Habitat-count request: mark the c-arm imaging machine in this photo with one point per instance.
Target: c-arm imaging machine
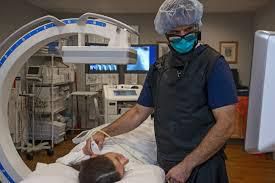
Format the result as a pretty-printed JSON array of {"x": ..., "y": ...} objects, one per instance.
[{"x": 22, "y": 44}]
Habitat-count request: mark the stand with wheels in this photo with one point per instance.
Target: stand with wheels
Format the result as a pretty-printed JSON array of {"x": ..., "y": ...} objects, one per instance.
[{"x": 32, "y": 147}]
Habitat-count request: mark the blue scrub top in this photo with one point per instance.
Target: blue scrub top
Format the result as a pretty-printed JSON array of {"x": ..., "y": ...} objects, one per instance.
[{"x": 221, "y": 89}]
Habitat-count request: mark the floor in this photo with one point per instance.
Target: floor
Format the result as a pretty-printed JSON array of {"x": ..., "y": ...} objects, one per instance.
[
  {"x": 241, "y": 167},
  {"x": 245, "y": 168},
  {"x": 59, "y": 151}
]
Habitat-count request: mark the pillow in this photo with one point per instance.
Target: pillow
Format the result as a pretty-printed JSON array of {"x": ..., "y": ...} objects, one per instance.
[
  {"x": 53, "y": 173},
  {"x": 48, "y": 179},
  {"x": 144, "y": 173},
  {"x": 58, "y": 173}
]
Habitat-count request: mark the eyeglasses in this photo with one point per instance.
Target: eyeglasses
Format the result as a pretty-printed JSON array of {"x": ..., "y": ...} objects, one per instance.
[{"x": 188, "y": 37}]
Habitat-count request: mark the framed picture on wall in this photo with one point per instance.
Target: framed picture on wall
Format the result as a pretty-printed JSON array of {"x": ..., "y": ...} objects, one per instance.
[
  {"x": 229, "y": 49},
  {"x": 163, "y": 48}
]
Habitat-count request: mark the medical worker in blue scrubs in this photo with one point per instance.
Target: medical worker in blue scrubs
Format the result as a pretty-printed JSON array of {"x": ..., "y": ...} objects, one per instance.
[{"x": 192, "y": 94}]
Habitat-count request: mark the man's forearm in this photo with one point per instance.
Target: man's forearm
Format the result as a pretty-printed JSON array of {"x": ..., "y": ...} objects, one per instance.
[
  {"x": 127, "y": 122},
  {"x": 211, "y": 144}
]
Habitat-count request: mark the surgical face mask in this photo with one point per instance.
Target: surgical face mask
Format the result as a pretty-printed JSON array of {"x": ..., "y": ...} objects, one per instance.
[{"x": 183, "y": 44}]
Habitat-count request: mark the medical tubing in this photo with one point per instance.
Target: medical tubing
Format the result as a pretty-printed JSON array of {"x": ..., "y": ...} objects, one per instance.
[{"x": 113, "y": 140}]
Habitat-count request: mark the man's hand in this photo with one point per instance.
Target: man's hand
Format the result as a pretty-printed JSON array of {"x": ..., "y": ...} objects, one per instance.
[
  {"x": 98, "y": 138},
  {"x": 179, "y": 173}
]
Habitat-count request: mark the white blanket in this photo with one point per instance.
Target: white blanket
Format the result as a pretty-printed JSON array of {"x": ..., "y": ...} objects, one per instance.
[
  {"x": 140, "y": 142},
  {"x": 59, "y": 173}
]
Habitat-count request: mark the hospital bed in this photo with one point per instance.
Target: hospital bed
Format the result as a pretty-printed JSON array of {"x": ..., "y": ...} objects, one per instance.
[{"x": 139, "y": 143}]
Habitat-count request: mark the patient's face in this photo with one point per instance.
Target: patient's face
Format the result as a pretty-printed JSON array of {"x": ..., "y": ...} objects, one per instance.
[{"x": 119, "y": 161}]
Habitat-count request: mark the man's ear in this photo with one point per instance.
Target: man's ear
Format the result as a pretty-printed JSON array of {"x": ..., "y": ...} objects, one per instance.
[{"x": 199, "y": 36}]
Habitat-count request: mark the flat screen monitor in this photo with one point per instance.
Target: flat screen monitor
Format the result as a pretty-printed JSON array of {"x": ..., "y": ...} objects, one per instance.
[
  {"x": 33, "y": 70},
  {"x": 103, "y": 68},
  {"x": 147, "y": 55}
]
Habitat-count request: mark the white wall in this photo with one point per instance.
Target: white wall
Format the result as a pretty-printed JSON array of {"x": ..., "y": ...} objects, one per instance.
[
  {"x": 232, "y": 27},
  {"x": 14, "y": 14},
  {"x": 265, "y": 17}
]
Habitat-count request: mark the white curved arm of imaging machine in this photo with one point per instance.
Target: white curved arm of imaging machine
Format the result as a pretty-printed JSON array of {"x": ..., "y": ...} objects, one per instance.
[
  {"x": 117, "y": 51},
  {"x": 22, "y": 44},
  {"x": 94, "y": 54},
  {"x": 260, "y": 133}
]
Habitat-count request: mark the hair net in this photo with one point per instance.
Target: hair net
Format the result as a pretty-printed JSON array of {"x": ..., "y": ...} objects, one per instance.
[{"x": 175, "y": 13}]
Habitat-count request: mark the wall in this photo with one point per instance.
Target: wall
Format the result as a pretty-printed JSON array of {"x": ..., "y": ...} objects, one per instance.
[
  {"x": 232, "y": 27},
  {"x": 264, "y": 17},
  {"x": 14, "y": 14}
]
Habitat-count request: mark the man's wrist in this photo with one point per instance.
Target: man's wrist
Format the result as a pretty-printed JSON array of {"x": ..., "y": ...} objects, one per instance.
[
  {"x": 189, "y": 162},
  {"x": 102, "y": 132},
  {"x": 106, "y": 130}
]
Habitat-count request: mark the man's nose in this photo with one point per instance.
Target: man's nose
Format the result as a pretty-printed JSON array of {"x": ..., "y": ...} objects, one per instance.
[{"x": 183, "y": 32}]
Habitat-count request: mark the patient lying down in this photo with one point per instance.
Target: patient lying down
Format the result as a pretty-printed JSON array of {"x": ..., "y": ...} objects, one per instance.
[
  {"x": 110, "y": 165},
  {"x": 106, "y": 168}
]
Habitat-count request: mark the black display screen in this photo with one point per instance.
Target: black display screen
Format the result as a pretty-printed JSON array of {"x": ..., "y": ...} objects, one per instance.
[{"x": 33, "y": 70}]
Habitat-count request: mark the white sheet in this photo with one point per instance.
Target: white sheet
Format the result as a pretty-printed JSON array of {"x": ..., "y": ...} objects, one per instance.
[
  {"x": 140, "y": 142},
  {"x": 59, "y": 173},
  {"x": 53, "y": 173}
]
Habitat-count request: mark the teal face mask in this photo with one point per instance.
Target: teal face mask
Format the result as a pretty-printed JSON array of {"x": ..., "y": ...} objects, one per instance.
[{"x": 184, "y": 44}]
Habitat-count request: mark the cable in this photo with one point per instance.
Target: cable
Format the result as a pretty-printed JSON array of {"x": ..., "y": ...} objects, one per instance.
[{"x": 90, "y": 134}]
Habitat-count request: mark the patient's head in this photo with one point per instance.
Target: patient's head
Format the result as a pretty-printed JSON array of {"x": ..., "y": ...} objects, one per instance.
[{"x": 107, "y": 168}]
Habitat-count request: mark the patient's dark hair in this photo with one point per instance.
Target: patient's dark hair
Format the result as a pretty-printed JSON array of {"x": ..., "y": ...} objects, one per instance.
[{"x": 98, "y": 170}]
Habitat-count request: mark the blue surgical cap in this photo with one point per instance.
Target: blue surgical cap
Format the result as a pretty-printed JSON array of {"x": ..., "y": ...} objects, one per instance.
[{"x": 175, "y": 13}]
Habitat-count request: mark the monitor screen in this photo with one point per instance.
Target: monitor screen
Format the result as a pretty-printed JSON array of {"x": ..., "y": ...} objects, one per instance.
[
  {"x": 146, "y": 56},
  {"x": 125, "y": 92},
  {"x": 103, "y": 67},
  {"x": 33, "y": 70}
]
